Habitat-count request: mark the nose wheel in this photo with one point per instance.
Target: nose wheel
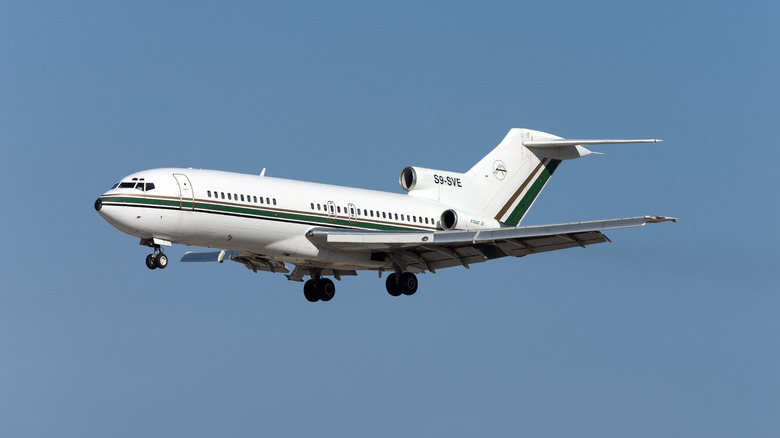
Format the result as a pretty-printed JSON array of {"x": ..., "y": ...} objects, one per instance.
[{"x": 156, "y": 259}]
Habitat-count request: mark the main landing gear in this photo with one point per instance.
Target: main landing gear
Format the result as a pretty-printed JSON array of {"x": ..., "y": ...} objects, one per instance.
[
  {"x": 319, "y": 289},
  {"x": 323, "y": 289},
  {"x": 157, "y": 259},
  {"x": 404, "y": 283}
]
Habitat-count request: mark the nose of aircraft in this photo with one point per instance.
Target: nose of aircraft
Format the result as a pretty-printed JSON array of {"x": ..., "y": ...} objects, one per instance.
[{"x": 98, "y": 205}]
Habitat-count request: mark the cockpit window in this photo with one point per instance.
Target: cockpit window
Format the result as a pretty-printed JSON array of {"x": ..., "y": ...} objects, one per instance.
[{"x": 144, "y": 187}]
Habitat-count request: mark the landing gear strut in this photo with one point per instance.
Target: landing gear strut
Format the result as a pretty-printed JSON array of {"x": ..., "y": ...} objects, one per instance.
[
  {"x": 405, "y": 283},
  {"x": 319, "y": 289},
  {"x": 157, "y": 259}
]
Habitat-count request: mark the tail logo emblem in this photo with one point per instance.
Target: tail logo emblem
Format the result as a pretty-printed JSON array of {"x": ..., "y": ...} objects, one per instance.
[{"x": 499, "y": 170}]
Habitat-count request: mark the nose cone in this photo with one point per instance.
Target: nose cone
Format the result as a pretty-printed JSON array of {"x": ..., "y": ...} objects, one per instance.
[{"x": 116, "y": 215}]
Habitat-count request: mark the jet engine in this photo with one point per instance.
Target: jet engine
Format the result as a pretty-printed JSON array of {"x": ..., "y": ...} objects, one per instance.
[
  {"x": 459, "y": 220},
  {"x": 430, "y": 183}
]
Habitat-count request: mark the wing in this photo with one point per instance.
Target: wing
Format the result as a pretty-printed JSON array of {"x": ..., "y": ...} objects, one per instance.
[{"x": 418, "y": 251}]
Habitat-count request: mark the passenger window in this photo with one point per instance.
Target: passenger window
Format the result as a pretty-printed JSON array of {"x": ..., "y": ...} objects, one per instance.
[
  {"x": 318, "y": 207},
  {"x": 274, "y": 201},
  {"x": 338, "y": 209},
  {"x": 426, "y": 220},
  {"x": 261, "y": 200},
  {"x": 267, "y": 200},
  {"x": 229, "y": 198},
  {"x": 372, "y": 213},
  {"x": 242, "y": 198},
  {"x": 255, "y": 199},
  {"x": 312, "y": 206},
  {"x": 384, "y": 216},
  {"x": 209, "y": 193}
]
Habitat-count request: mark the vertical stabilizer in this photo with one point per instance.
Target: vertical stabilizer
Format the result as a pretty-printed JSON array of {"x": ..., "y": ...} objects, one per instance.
[{"x": 505, "y": 183}]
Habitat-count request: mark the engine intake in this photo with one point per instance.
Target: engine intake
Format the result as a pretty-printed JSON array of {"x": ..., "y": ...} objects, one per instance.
[{"x": 408, "y": 179}]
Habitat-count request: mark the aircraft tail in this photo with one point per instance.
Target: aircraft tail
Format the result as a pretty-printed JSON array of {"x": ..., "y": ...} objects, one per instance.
[{"x": 506, "y": 182}]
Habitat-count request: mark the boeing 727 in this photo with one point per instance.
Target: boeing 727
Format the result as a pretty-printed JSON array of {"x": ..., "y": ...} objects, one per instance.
[{"x": 445, "y": 219}]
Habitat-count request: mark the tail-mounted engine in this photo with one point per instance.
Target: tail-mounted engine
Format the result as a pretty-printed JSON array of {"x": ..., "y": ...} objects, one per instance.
[
  {"x": 431, "y": 183},
  {"x": 460, "y": 220}
]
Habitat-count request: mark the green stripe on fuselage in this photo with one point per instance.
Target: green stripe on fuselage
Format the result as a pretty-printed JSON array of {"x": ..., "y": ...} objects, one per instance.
[{"x": 221, "y": 209}]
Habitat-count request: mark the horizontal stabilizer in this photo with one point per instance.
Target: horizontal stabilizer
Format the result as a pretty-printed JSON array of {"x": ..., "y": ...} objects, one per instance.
[{"x": 574, "y": 142}]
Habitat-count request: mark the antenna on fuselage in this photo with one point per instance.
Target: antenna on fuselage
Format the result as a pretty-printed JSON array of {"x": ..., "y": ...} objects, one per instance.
[{"x": 263, "y": 172}]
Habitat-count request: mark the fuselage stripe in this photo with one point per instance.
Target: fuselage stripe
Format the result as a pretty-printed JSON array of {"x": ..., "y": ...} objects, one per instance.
[{"x": 281, "y": 215}]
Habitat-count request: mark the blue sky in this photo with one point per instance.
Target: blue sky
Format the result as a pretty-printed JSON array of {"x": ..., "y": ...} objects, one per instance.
[{"x": 671, "y": 330}]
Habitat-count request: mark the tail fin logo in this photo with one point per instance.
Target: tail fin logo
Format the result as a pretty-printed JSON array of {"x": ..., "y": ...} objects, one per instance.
[{"x": 499, "y": 170}]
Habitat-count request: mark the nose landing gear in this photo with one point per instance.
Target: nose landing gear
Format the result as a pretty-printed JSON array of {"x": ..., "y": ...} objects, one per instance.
[{"x": 156, "y": 259}]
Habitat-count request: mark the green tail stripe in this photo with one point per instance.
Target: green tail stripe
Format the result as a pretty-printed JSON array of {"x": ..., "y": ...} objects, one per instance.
[{"x": 522, "y": 208}]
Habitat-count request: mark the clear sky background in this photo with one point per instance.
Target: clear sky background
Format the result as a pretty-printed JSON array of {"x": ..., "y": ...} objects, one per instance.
[{"x": 671, "y": 330}]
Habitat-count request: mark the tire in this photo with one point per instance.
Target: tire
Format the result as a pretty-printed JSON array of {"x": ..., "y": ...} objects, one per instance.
[
  {"x": 151, "y": 262},
  {"x": 408, "y": 283},
  {"x": 161, "y": 261},
  {"x": 309, "y": 291},
  {"x": 393, "y": 288},
  {"x": 326, "y": 289}
]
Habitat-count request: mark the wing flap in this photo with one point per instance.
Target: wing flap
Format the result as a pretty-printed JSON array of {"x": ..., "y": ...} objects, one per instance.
[{"x": 254, "y": 262}]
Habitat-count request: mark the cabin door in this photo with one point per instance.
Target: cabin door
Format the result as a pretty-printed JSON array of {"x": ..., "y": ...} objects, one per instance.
[
  {"x": 352, "y": 215},
  {"x": 186, "y": 195}
]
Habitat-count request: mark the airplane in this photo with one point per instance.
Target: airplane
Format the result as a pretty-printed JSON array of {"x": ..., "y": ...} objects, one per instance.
[{"x": 444, "y": 219}]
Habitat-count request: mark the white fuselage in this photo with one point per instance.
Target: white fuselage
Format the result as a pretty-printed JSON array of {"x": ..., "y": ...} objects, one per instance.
[{"x": 258, "y": 214}]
